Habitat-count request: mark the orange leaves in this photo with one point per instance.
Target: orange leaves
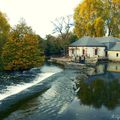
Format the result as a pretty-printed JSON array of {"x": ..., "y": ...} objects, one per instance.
[
  {"x": 22, "y": 52},
  {"x": 19, "y": 48}
]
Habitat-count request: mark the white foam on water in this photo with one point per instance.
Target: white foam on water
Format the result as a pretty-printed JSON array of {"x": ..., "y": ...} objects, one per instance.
[{"x": 12, "y": 90}]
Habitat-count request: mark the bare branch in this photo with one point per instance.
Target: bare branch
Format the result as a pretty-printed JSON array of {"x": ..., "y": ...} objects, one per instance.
[{"x": 62, "y": 26}]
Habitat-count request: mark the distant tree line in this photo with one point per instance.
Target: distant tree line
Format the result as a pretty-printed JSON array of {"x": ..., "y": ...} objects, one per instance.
[{"x": 57, "y": 46}]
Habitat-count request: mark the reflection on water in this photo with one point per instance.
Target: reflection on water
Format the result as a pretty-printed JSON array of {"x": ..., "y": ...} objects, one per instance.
[
  {"x": 102, "y": 88},
  {"x": 109, "y": 67},
  {"x": 113, "y": 67},
  {"x": 100, "y": 93},
  {"x": 98, "y": 96}
]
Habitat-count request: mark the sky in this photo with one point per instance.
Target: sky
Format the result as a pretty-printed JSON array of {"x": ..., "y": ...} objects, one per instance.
[{"x": 37, "y": 13}]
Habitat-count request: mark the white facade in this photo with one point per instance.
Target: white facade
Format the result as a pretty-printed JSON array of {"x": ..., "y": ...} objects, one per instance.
[
  {"x": 95, "y": 48},
  {"x": 87, "y": 51},
  {"x": 114, "y": 55}
]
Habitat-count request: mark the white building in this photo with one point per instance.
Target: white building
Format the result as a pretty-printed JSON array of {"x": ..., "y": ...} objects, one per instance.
[{"x": 100, "y": 47}]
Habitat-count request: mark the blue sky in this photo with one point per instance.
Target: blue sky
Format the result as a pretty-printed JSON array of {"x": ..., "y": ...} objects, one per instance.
[{"x": 37, "y": 13}]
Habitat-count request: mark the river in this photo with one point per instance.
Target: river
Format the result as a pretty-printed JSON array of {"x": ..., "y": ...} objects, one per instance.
[{"x": 53, "y": 93}]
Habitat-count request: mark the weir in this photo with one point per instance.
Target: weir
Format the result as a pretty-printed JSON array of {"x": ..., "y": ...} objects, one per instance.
[
  {"x": 43, "y": 73},
  {"x": 12, "y": 90},
  {"x": 19, "y": 93}
]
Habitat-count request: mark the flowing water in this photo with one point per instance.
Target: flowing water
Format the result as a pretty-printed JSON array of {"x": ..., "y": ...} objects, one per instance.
[
  {"x": 52, "y": 93},
  {"x": 14, "y": 83}
]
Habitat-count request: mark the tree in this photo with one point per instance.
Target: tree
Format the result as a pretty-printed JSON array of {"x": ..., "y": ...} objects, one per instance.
[
  {"x": 52, "y": 46},
  {"x": 55, "y": 46},
  {"x": 22, "y": 50},
  {"x": 113, "y": 20},
  {"x": 63, "y": 27},
  {"x": 4, "y": 30},
  {"x": 99, "y": 27},
  {"x": 97, "y": 17}
]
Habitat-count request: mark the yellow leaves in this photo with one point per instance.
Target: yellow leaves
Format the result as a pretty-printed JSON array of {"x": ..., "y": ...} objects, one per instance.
[
  {"x": 84, "y": 17},
  {"x": 92, "y": 16},
  {"x": 4, "y": 25},
  {"x": 116, "y": 1},
  {"x": 99, "y": 26},
  {"x": 88, "y": 26},
  {"x": 98, "y": 22}
]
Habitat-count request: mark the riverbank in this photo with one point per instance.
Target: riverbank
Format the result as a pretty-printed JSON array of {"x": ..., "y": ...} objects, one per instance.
[{"x": 66, "y": 62}]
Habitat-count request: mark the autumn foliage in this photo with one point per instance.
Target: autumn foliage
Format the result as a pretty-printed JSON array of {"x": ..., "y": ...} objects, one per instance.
[
  {"x": 4, "y": 31},
  {"x": 97, "y": 18},
  {"x": 22, "y": 50}
]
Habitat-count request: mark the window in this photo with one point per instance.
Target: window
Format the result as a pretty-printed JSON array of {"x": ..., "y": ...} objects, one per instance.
[
  {"x": 117, "y": 55},
  {"x": 83, "y": 51},
  {"x": 72, "y": 51},
  {"x": 96, "y": 51},
  {"x": 106, "y": 53}
]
